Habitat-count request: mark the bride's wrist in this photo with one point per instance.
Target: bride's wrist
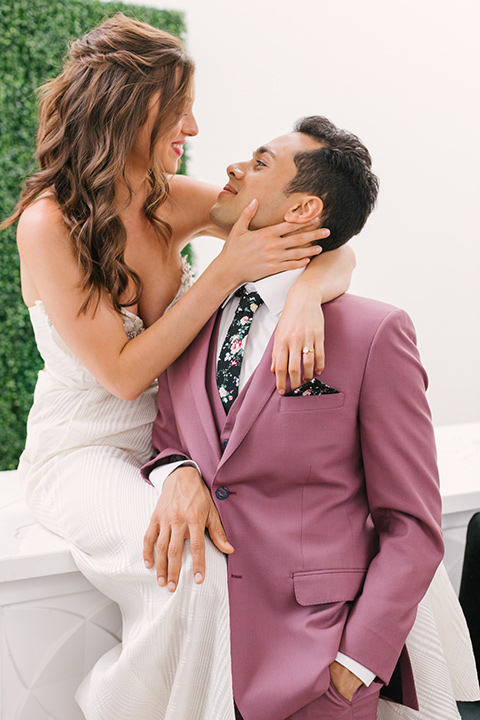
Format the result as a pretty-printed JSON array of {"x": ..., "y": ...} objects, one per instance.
[
  {"x": 221, "y": 276},
  {"x": 305, "y": 291}
]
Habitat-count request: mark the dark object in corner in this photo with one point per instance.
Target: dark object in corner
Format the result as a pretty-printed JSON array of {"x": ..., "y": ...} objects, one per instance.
[{"x": 470, "y": 585}]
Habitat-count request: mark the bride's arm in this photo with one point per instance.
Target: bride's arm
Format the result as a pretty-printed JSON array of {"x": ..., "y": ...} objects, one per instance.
[
  {"x": 301, "y": 324},
  {"x": 188, "y": 209},
  {"x": 126, "y": 367}
]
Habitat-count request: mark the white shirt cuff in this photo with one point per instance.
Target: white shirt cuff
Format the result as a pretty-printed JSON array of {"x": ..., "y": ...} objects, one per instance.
[
  {"x": 160, "y": 473},
  {"x": 363, "y": 674}
]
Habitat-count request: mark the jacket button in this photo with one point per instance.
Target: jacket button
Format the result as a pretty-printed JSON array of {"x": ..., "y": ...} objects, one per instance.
[{"x": 222, "y": 493}]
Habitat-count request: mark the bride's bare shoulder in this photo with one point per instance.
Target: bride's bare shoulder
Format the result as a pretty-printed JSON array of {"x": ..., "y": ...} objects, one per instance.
[
  {"x": 189, "y": 206},
  {"x": 42, "y": 221},
  {"x": 47, "y": 260},
  {"x": 180, "y": 184}
]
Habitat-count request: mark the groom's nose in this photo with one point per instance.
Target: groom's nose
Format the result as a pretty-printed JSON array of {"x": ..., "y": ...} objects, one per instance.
[{"x": 235, "y": 171}]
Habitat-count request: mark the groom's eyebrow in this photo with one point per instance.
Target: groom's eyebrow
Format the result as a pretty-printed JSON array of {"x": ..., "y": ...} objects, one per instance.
[{"x": 264, "y": 149}]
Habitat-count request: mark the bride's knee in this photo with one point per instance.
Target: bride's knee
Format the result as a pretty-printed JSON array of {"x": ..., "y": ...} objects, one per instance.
[{"x": 215, "y": 581}]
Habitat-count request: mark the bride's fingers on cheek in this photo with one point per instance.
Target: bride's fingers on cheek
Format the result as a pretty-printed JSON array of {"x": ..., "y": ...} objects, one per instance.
[
  {"x": 313, "y": 227},
  {"x": 312, "y": 250},
  {"x": 304, "y": 251},
  {"x": 307, "y": 237},
  {"x": 293, "y": 228}
]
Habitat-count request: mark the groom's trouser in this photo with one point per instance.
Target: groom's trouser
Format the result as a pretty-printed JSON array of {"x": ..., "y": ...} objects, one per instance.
[{"x": 332, "y": 706}]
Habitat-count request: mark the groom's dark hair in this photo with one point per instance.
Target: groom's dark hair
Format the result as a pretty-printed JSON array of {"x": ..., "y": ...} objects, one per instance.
[{"x": 340, "y": 174}]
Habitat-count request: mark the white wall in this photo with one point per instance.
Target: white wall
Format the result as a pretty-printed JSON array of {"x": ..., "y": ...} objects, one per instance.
[{"x": 405, "y": 78}]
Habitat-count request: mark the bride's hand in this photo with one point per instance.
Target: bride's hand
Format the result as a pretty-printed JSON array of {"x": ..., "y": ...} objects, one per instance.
[
  {"x": 253, "y": 254},
  {"x": 300, "y": 328}
]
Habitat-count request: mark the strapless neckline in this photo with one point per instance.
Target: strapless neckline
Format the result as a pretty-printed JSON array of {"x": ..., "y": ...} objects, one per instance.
[
  {"x": 185, "y": 282},
  {"x": 39, "y": 304}
]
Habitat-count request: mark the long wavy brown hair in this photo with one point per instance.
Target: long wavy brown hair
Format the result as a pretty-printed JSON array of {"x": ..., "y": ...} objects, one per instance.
[{"x": 89, "y": 117}]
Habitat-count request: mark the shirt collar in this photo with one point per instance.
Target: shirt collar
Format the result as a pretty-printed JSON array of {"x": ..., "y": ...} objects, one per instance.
[{"x": 273, "y": 289}]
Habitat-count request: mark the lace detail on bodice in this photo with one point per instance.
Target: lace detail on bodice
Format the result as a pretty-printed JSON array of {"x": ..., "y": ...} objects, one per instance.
[
  {"x": 185, "y": 283},
  {"x": 61, "y": 362},
  {"x": 132, "y": 324}
]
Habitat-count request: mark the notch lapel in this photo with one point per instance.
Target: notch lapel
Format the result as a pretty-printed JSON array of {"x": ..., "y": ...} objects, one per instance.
[
  {"x": 252, "y": 399},
  {"x": 197, "y": 365}
]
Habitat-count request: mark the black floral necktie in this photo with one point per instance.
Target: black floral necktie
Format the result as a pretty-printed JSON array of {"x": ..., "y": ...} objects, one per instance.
[{"x": 231, "y": 355}]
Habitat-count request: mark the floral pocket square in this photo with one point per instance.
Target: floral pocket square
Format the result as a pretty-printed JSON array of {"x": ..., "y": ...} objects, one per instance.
[{"x": 312, "y": 387}]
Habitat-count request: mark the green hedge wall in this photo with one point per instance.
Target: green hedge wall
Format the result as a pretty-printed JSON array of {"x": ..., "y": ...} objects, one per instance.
[{"x": 34, "y": 36}]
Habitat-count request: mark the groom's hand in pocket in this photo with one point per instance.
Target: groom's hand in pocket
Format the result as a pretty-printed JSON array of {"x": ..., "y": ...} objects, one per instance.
[
  {"x": 184, "y": 510},
  {"x": 344, "y": 680}
]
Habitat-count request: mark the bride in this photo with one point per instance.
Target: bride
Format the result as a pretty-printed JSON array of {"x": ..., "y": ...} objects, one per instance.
[{"x": 101, "y": 227}]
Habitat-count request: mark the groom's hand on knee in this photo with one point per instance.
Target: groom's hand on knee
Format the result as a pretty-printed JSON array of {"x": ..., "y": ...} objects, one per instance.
[{"x": 184, "y": 510}]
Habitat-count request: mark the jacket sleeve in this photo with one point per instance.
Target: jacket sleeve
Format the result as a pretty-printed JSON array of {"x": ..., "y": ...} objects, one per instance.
[
  {"x": 401, "y": 476},
  {"x": 167, "y": 443}
]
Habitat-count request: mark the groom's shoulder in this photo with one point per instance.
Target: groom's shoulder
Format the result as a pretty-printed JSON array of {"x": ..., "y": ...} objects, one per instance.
[
  {"x": 362, "y": 306},
  {"x": 361, "y": 315}
]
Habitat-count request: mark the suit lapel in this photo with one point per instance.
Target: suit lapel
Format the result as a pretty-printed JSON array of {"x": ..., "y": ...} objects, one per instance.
[
  {"x": 198, "y": 363},
  {"x": 251, "y": 401}
]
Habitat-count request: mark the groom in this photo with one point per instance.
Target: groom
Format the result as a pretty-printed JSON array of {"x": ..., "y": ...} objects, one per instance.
[{"x": 329, "y": 494}]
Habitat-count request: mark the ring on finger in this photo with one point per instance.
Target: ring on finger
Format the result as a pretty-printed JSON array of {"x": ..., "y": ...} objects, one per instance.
[{"x": 307, "y": 350}]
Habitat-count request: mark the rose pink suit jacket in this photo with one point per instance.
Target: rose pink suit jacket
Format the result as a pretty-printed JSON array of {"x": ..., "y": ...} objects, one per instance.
[{"x": 331, "y": 503}]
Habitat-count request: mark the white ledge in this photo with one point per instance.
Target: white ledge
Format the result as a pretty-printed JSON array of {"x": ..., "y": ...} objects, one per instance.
[
  {"x": 27, "y": 550},
  {"x": 459, "y": 464}
]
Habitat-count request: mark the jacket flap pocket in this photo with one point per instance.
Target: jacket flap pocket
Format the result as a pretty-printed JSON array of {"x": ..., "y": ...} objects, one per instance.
[{"x": 318, "y": 587}]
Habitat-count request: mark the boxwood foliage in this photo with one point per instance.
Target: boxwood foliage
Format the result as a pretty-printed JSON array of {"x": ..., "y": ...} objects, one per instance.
[{"x": 34, "y": 39}]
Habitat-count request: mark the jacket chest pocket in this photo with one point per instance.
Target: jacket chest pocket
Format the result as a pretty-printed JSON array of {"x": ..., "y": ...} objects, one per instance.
[{"x": 311, "y": 403}]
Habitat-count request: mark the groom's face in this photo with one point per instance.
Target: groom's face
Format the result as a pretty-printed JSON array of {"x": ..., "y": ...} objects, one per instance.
[{"x": 264, "y": 177}]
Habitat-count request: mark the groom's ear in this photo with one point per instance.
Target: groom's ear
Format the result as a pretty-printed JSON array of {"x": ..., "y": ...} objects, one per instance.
[{"x": 307, "y": 209}]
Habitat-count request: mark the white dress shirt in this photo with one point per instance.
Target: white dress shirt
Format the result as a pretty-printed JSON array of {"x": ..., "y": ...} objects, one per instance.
[{"x": 273, "y": 290}]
